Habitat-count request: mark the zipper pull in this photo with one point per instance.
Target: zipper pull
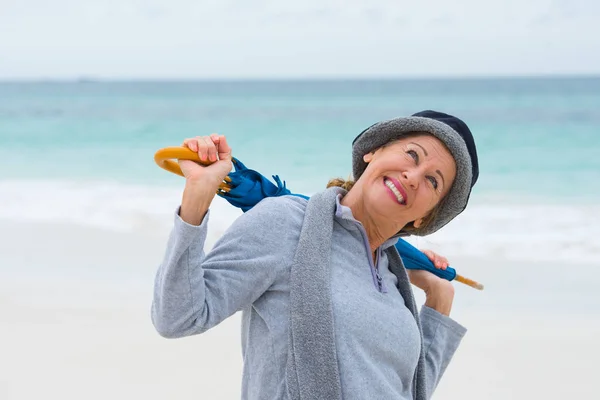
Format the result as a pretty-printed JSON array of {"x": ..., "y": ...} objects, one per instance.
[{"x": 379, "y": 279}]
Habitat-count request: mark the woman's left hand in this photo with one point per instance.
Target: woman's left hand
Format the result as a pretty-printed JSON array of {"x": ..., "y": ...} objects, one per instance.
[
  {"x": 440, "y": 262},
  {"x": 439, "y": 292}
]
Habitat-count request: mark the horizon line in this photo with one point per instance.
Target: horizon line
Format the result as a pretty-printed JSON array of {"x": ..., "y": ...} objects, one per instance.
[{"x": 315, "y": 78}]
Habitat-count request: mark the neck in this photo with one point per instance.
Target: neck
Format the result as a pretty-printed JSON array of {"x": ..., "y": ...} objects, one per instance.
[{"x": 378, "y": 229}]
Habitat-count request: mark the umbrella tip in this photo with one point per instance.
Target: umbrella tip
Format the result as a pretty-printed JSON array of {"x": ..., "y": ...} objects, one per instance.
[{"x": 469, "y": 282}]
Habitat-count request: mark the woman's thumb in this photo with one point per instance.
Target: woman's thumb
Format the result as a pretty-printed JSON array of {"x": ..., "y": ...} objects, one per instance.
[{"x": 223, "y": 148}]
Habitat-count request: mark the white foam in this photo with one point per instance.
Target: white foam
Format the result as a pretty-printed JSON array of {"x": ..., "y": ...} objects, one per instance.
[
  {"x": 538, "y": 232},
  {"x": 567, "y": 232},
  {"x": 104, "y": 204}
]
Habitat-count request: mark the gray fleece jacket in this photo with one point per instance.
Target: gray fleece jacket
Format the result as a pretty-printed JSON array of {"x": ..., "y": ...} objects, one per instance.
[{"x": 377, "y": 340}]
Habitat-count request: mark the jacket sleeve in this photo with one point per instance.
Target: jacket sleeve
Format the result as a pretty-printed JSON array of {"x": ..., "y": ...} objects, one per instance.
[
  {"x": 441, "y": 337},
  {"x": 194, "y": 291}
]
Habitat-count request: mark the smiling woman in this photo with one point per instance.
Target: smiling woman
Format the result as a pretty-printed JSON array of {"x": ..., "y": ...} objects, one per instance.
[
  {"x": 361, "y": 336},
  {"x": 416, "y": 172}
]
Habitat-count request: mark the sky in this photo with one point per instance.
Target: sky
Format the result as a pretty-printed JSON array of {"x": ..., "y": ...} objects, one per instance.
[{"x": 199, "y": 39}]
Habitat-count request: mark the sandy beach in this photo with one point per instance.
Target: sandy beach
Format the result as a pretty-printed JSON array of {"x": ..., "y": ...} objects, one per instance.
[{"x": 75, "y": 307}]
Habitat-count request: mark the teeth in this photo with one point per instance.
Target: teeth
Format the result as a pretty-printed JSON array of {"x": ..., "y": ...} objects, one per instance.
[{"x": 395, "y": 190}]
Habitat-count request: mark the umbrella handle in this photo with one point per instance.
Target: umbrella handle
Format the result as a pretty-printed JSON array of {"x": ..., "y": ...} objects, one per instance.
[
  {"x": 468, "y": 282},
  {"x": 164, "y": 159}
]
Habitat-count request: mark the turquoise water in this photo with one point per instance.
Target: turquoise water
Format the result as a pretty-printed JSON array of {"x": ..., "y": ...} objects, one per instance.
[
  {"x": 533, "y": 135},
  {"x": 83, "y": 152}
]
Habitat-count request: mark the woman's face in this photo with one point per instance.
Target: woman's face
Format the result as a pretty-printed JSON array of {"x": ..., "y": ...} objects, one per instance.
[{"x": 407, "y": 178}]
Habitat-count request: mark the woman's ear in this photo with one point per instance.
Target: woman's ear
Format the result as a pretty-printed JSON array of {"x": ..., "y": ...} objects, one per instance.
[
  {"x": 368, "y": 157},
  {"x": 418, "y": 222}
]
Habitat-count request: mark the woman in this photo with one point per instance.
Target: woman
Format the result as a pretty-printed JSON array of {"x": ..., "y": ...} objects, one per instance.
[{"x": 328, "y": 311}]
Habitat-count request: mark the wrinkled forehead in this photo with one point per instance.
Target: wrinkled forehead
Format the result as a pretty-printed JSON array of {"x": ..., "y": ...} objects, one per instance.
[{"x": 428, "y": 142}]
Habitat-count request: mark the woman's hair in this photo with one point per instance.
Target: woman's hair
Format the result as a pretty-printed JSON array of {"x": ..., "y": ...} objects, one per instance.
[
  {"x": 409, "y": 228},
  {"x": 342, "y": 183}
]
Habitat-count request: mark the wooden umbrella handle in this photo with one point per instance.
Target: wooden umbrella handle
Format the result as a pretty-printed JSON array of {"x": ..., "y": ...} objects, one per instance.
[
  {"x": 164, "y": 158},
  {"x": 469, "y": 282}
]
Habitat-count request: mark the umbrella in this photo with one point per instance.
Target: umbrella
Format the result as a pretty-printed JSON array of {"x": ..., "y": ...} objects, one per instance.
[
  {"x": 247, "y": 187},
  {"x": 244, "y": 188}
]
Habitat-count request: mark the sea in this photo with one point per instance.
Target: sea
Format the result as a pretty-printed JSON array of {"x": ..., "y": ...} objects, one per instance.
[{"x": 82, "y": 152}]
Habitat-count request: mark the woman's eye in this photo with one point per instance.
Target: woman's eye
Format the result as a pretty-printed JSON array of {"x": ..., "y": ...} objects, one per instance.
[
  {"x": 414, "y": 155},
  {"x": 433, "y": 181}
]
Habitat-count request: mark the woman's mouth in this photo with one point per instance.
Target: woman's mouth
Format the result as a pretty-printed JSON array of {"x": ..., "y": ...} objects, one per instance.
[{"x": 395, "y": 189}]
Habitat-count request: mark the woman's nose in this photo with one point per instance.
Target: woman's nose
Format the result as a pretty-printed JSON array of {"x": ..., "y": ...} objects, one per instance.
[{"x": 412, "y": 178}]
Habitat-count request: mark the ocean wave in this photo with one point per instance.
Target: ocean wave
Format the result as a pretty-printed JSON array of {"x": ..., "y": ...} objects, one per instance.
[
  {"x": 539, "y": 232},
  {"x": 102, "y": 204}
]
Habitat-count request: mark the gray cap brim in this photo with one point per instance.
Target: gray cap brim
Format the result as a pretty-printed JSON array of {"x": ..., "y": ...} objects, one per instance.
[{"x": 383, "y": 132}]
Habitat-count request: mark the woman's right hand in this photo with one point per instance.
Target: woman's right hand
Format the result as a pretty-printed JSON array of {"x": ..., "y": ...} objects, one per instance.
[
  {"x": 202, "y": 181},
  {"x": 213, "y": 148}
]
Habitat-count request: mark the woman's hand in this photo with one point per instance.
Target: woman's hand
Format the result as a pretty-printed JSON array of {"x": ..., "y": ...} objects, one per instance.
[
  {"x": 213, "y": 148},
  {"x": 439, "y": 292},
  {"x": 202, "y": 182},
  {"x": 437, "y": 260}
]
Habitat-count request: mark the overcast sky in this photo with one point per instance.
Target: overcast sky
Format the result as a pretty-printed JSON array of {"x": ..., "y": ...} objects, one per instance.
[{"x": 305, "y": 38}]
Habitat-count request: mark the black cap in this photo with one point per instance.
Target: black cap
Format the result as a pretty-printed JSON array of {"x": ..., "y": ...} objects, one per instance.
[{"x": 463, "y": 130}]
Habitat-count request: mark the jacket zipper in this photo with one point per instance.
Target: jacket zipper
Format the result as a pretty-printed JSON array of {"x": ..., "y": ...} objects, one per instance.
[
  {"x": 377, "y": 274},
  {"x": 374, "y": 268},
  {"x": 379, "y": 279}
]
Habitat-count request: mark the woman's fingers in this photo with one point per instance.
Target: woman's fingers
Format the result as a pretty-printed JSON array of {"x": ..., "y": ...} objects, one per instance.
[
  {"x": 209, "y": 148},
  {"x": 202, "y": 148},
  {"x": 437, "y": 260},
  {"x": 441, "y": 262},
  {"x": 190, "y": 144}
]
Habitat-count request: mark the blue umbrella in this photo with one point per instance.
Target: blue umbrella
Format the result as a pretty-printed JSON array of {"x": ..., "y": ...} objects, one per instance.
[{"x": 246, "y": 187}]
